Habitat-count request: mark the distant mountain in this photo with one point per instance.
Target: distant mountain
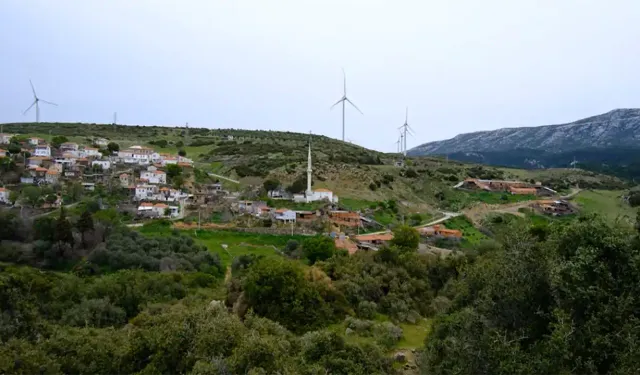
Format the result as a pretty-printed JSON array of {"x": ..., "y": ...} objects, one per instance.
[
  {"x": 608, "y": 143},
  {"x": 617, "y": 128}
]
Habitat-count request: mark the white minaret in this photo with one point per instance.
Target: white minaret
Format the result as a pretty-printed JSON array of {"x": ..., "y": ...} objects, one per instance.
[{"x": 309, "y": 192}]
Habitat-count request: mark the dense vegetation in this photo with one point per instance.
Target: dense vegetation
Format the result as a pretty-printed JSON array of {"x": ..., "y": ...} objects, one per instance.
[{"x": 561, "y": 301}]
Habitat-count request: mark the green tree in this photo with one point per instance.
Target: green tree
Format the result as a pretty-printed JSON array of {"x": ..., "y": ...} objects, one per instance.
[
  {"x": 14, "y": 149},
  {"x": 58, "y": 140},
  {"x": 406, "y": 238},
  {"x": 318, "y": 248},
  {"x": 173, "y": 170},
  {"x": 63, "y": 229},
  {"x": 271, "y": 184},
  {"x": 277, "y": 289},
  {"x": 179, "y": 144},
  {"x": 75, "y": 190},
  {"x": 31, "y": 195},
  {"x": 44, "y": 228},
  {"x": 113, "y": 147},
  {"x": 182, "y": 152},
  {"x": 84, "y": 225}
]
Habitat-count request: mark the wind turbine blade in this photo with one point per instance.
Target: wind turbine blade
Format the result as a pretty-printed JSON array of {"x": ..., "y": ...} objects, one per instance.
[
  {"x": 44, "y": 101},
  {"x": 406, "y": 116},
  {"x": 354, "y": 106},
  {"x": 33, "y": 89},
  {"x": 27, "y": 110},
  {"x": 338, "y": 102}
]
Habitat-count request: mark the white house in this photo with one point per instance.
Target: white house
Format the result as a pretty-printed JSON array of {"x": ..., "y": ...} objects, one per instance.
[
  {"x": 36, "y": 161},
  {"x": 136, "y": 155},
  {"x": 4, "y": 195},
  {"x": 69, "y": 147},
  {"x": 154, "y": 176},
  {"x": 105, "y": 164},
  {"x": 101, "y": 141},
  {"x": 169, "y": 160},
  {"x": 90, "y": 152},
  {"x": 5, "y": 138},
  {"x": 183, "y": 159},
  {"x": 159, "y": 208},
  {"x": 89, "y": 186},
  {"x": 34, "y": 141},
  {"x": 43, "y": 150},
  {"x": 65, "y": 161},
  {"x": 146, "y": 192}
]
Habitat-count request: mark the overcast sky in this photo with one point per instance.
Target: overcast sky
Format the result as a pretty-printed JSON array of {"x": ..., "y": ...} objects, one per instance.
[{"x": 459, "y": 66}]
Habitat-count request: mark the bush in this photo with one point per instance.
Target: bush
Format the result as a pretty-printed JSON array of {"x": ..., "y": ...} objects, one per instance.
[{"x": 367, "y": 309}]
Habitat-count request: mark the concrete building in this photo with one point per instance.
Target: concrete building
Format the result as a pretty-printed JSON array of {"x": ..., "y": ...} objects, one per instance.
[
  {"x": 34, "y": 141},
  {"x": 101, "y": 141},
  {"x": 146, "y": 192},
  {"x": 90, "y": 152},
  {"x": 52, "y": 176},
  {"x": 319, "y": 194},
  {"x": 43, "y": 150},
  {"x": 285, "y": 215},
  {"x": 4, "y": 196},
  {"x": 154, "y": 176},
  {"x": 104, "y": 164},
  {"x": 5, "y": 138}
]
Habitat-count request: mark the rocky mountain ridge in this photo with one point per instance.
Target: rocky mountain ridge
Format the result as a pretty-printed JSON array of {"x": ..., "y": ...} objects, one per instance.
[{"x": 619, "y": 128}]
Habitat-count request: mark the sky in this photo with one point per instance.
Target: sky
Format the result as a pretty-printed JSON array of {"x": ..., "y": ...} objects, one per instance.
[{"x": 459, "y": 66}]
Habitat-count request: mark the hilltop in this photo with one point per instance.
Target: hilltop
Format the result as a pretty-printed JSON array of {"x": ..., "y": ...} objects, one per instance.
[{"x": 605, "y": 143}]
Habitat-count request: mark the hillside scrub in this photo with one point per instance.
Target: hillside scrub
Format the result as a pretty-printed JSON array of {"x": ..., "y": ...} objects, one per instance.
[{"x": 567, "y": 304}]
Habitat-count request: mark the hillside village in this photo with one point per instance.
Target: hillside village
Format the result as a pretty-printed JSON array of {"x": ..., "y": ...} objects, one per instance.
[{"x": 154, "y": 185}]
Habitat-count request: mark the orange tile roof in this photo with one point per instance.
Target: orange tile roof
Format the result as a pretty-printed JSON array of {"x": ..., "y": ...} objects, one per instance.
[
  {"x": 40, "y": 169},
  {"x": 281, "y": 210},
  {"x": 161, "y": 205},
  {"x": 522, "y": 190},
  {"x": 124, "y": 175},
  {"x": 3, "y": 189},
  {"x": 159, "y": 172},
  {"x": 322, "y": 190},
  {"x": 183, "y": 164},
  {"x": 52, "y": 172},
  {"x": 375, "y": 237},
  {"x": 164, "y": 189},
  {"x": 146, "y": 204}
]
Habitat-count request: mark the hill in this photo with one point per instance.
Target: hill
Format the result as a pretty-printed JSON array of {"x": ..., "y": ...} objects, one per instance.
[
  {"x": 605, "y": 143},
  {"x": 359, "y": 176}
]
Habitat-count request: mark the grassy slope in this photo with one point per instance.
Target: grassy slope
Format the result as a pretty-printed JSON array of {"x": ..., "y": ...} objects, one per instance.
[
  {"x": 342, "y": 167},
  {"x": 607, "y": 203}
]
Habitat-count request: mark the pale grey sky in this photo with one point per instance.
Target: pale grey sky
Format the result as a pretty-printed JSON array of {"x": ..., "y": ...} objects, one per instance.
[{"x": 460, "y": 66}]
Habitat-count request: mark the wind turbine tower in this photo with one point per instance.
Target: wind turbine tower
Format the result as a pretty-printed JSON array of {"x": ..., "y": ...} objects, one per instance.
[
  {"x": 343, "y": 100},
  {"x": 404, "y": 131},
  {"x": 36, "y": 102}
]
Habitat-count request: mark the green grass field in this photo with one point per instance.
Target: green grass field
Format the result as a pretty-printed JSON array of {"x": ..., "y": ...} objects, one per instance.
[
  {"x": 607, "y": 203},
  {"x": 414, "y": 334},
  {"x": 238, "y": 243},
  {"x": 498, "y": 198},
  {"x": 471, "y": 235}
]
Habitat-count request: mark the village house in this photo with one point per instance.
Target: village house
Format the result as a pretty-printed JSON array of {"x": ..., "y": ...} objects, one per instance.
[
  {"x": 42, "y": 150},
  {"x": 90, "y": 152},
  {"x": 169, "y": 160},
  {"x": 512, "y": 187},
  {"x": 146, "y": 192},
  {"x": 5, "y": 138},
  {"x": 136, "y": 155},
  {"x": 52, "y": 176},
  {"x": 373, "y": 241},
  {"x": 65, "y": 162},
  {"x": 34, "y": 141},
  {"x": 159, "y": 209},
  {"x": 439, "y": 230},
  {"x": 3, "y": 153},
  {"x": 4, "y": 195},
  {"x": 100, "y": 141},
  {"x": 69, "y": 147},
  {"x": 306, "y": 215},
  {"x": 154, "y": 176},
  {"x": 104, "y": 164},
  {"x": 285, "y": 215},
  {"x": 37, "y": 161},
  {"x": 89, "y": 186},
  {"x": 346, "y": 218},
  {"x": 554, "y": 207},
  {"x": 146, "y": 209}
]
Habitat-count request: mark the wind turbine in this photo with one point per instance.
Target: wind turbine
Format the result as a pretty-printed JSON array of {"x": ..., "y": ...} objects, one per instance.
[
  {"x": 404, "y": 130},
  {"x": 36, "y": 102},
  {"x": 343, "y": 100}
]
